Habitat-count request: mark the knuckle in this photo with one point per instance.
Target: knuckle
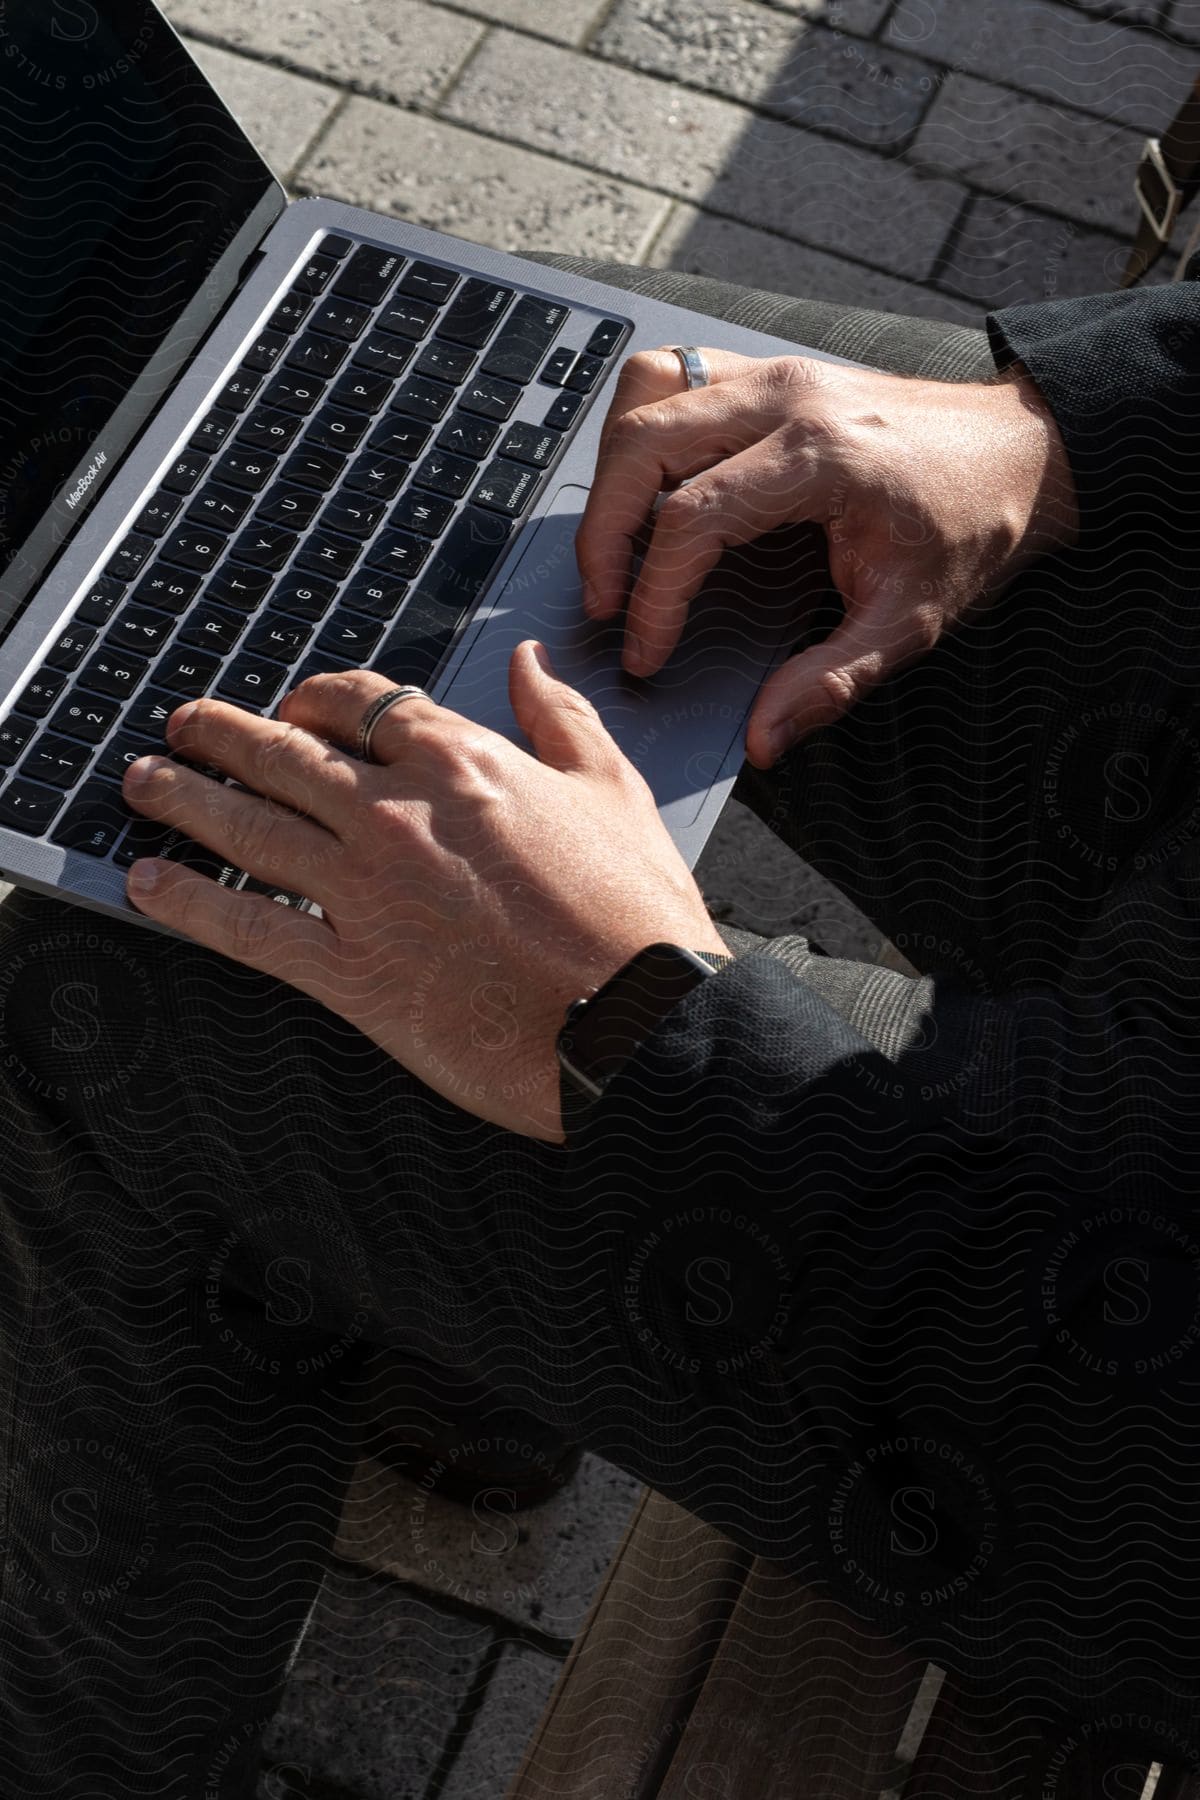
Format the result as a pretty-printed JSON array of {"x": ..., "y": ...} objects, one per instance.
[
  {"x": 682, "y": 512},
  {"x": 840, "y": 687},
  {"x": 251, "y": 931}
]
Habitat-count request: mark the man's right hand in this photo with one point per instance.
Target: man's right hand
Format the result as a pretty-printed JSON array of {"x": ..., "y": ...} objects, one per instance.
[{"x": 932, "y": 495}]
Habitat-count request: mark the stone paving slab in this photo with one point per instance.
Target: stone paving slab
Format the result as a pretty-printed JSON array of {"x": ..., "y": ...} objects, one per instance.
[
  {"x": 375, "y": 1694},
  {"x": 1135, "y": 77},
  {"x": 516, "y": 1696},
  {"x": 451, "y": 180},
  {"x": 280, "y": 111},
  {"x": 732, "y": 47},
  {"x": 696, "y": 241},
  {"x": 538, "y": 1568},
  {"x": 568, "y": 21},
  {"x": 402, "y": 50},
  {"x": 1006, "y": 254}
]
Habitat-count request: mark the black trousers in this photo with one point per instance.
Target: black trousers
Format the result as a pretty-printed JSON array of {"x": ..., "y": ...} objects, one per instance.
[{"x": 216, "y": 1197}]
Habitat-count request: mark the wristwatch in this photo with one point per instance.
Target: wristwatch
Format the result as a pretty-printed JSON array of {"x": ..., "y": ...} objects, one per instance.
[{"x": 602, "y": 1031}]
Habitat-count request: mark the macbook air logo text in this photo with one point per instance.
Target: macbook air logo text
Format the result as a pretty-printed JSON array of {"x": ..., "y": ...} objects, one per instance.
[{"x": 80, "y": 489}]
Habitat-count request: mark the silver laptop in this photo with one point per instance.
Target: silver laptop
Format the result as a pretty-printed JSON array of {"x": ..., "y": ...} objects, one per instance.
[{"x": 243, "y": 441}]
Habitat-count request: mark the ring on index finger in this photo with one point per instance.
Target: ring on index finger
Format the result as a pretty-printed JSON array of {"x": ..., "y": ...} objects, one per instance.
[
  {"x": 695, "y": 369},
  {"x": 375, "y": 712}
]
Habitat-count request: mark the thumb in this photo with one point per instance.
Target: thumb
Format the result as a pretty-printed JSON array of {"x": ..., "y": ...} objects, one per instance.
[
  {"x": 820, "y": 684},
  {"x": 563, "y": 727}
]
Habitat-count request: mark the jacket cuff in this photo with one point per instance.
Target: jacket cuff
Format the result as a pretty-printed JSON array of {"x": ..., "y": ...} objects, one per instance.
[{"x": 1121, "y": 374}]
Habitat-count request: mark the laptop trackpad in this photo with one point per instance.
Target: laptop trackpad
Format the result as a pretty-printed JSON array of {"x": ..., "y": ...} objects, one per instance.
[{"x": 677, "y": 727}]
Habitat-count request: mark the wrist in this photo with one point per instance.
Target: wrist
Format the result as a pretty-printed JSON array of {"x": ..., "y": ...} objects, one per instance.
[{"x": 1045, "y": 493}]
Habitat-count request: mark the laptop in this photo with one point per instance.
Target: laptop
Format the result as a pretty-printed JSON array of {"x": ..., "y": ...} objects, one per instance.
[{"x": 243, "y": 441}]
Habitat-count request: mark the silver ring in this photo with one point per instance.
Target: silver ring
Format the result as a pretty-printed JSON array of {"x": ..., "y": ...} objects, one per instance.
[
  {"x": 375, "y": 712},
  {"x": 695, "y": 368}
]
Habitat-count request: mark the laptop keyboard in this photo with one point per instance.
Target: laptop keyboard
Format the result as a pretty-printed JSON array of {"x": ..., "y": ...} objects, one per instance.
[{"x": 344, "y": 504}]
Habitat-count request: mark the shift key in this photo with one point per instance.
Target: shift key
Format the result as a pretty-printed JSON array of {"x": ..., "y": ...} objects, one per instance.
[{"x": 465, "y": 560}]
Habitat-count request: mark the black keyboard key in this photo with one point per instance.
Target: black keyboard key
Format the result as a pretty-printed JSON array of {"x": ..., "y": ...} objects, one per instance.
[
  {"x": 125, "y": 748},
  {"x": 147, "y": 717},
  {"x": 379, "y": 477},
  {"x": 266, "y": 429},
  {"x": 362, "y": 391},
  {"x": 85, "y": 716},
  {"x": 428, "y": 282},
  {"x": 465, "y": 560},
  {"x": 344, "y": 319},
  {"x": 328, "y": 555},
  {"x": 131, "y": 558},
  {"x": 248, "y": 469},
  {"x": 314, "y": 467},
  {"x": 446, "y": 362},
  {"x": 369, "y": 275},
  {"x": 168, "y": 589},
  {"x": 194, "y": 547},
  {"x": 236, "y": 584},
  {"x": 96, "y": 821},
  {"x": 384, "y": 356},
  {"x": 564, "y": 412},
  {"x": 211, "y": 433},
  {"x": 291, "y": 312},
  {"x": 507, "y": 487},
  {"x": 406, "y": 318},
  {"x": 351, "y": 635},
  {"x": 316, "y": 275},
  {"x": 490, "y": 397},
  {"x": 295, "y": 392},
  {"x": 605, "y": 338},
  {"x": 279, "y": 639},
  {"x": 446, "y": 474},
  {"x": 294, "y": 507},
  {"x": 186, "y": 672},
  {"x": 213, "y": 628},
  {"x": 426, "y": 514},
  {"x": 157, "y": 514},
  {"x": 195, "y": 856},
  {"x": 559, "y": 367},
  {"x": 334, "y": 430},
  {"x": 531, "y": 444},
  {"x": 378, "y": 596},
  {"x": 333, "y": 244},
  {"x": 140, "y": 630},
  {"x": 528, "y": 333},
  {"x": 43, "y": 692},
  {"x": 476, "y": 313},
  {"x": 113, "y": 672},
  {"x": 58, "y": 761},
  {"x": 15, "y": 733},
  {"x": 467, "y": 436},
  {"x": 319, "y": 356},
  {"x": 304, "y": 596},
  {"x": 319, "y": 662},
  {"x": 221, "y": 506},
  {"x": 145, "y": 838},
  {"x": 264, "y": 354},
  {"x": 353, "y": 514},
  {"x": 424, "y": 399},
  {"x": 252, "y": 681},
  {"x": 100, "y": 601},
  {"x": 185, "y": 471},
  {"x": 265, "y": 546},
  {"x": 398, "y": 436},
  {"x": 71, "y": 646},
  {"x": 417, "y": 643},
  {"x": 28, "y": 806},
  {"x": 586, "y": 373},
  {"x": 399, "y": 553},
  {"x": 239, "y": 390}
]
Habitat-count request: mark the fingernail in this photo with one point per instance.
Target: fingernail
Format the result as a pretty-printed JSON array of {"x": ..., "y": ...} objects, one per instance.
[
  {"x": 143, "y": 770},
  {"x": 635, "y": 652},
  {"x": 146, "y": 875},
  {"x": 182, "y": 714}
]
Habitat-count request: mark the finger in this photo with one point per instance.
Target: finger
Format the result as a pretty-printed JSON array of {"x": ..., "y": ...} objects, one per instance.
[
  {"x": 246, "y": 830},
  {"x": 651, "y": 375},
  {"x": 333, "y": 706},
  {"x": 816, "y": 687},
  {"x": 279, "y": 760},
  {"x": 774, "y": 483},
  {"x": 671, "y": 435},
  {"x": 561, "y": 723},
  {"x": 293, "y": 946}
]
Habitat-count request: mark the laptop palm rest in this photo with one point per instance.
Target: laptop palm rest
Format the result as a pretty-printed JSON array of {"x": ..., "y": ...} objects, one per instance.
[{"x": 684, "y": 727}]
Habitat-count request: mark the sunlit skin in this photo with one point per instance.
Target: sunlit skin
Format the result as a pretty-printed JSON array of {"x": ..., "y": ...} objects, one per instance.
[{"x": 472, "y": 888}]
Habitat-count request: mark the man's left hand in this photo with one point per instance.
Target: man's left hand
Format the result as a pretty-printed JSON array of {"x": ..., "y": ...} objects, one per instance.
[{"x": 470, "y": 890}]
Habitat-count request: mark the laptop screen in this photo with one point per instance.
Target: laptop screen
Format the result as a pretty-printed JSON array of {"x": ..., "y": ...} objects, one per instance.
[{"x": 125, "y": 183}]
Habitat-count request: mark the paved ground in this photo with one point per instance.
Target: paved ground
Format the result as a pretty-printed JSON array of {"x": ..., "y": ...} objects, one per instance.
[{"x": 932, "y": 156}]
